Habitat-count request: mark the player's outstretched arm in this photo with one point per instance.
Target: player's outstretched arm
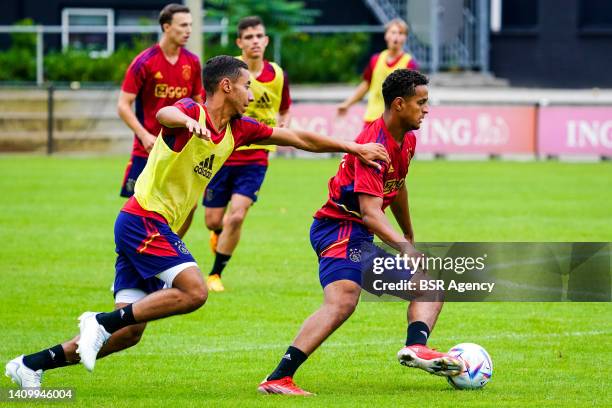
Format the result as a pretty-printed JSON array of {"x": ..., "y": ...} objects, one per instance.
[
  {"x": 173, "y": 117},
  {"x": 358, "y": 95},
  {"x": 401, "y": 212},
  {"x": 375, "y": 220},
  {"x": 313, "y": 142}
]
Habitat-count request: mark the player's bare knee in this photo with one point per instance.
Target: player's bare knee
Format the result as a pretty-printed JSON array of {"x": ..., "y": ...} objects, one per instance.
[
  {"x": 430, "y": 291},
  {"x": 430, "y": 296},
  {"x": 348, "y": 307},
  {"x": 345, "y": 306},
  {"x": 214, "y": 224},
  {"x": 196, "y": 297},
  {"x": 200, "y": 296},
  {"x": 235, "y": 219},
  {"x": 191, "y": 291},
  {"x": 342, "y": 298},
  {"x": 214, "y": 219}
]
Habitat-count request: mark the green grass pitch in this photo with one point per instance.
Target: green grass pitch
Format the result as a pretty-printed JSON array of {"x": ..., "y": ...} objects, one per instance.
[{"x": 57, "y": 260}]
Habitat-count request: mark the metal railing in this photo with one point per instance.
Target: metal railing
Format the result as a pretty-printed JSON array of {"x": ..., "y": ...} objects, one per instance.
[
  {"x": 446, "y": 34},
  {"x": 386, "y": 10},
  {"x": 467, "y": 48}
]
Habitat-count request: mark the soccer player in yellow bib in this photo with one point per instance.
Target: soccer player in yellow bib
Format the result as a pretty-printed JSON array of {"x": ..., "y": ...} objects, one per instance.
[
  {"x": 235, "y": 188},
  {"x": 378, "y": 69},
  {"x": 155, "y": 274}
]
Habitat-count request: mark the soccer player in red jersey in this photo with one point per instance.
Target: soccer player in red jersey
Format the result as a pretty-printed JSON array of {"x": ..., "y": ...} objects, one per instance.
[
  {"x": 378, "y": 68},
  {"x": 354, "y": 212},
  {"x": 235, "y": 188},
  {"x": 155, "y": 274},
  {"x": 159, "y": 76}
]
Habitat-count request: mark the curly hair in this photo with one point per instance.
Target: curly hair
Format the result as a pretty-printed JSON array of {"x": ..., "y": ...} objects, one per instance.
[{"x": 402, "y": 83}]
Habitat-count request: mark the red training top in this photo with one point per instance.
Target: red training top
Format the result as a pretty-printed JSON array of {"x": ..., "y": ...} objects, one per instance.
[
  {"x": 354, "y": 177},
  {"x": 158, "y": 83}
]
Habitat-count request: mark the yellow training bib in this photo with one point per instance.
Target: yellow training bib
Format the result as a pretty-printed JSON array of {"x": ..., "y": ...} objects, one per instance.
[
  {"x": 376, "y": 103},
  {"x": 267, "y": 98},
  {"x": 172, "y": 182}
]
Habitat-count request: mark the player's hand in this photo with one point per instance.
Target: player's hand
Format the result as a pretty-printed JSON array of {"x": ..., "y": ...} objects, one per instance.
[
  {"x": 193, "y": 126},
  {"x": 370, "y": 153},
  {"x": 416, "y": 257},
  {"x": 147, "y": 140},
  {"x": 342, "y": 109}
]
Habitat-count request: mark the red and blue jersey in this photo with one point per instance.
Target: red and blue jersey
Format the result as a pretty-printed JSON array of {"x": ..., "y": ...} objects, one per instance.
[
  {"x": 158, "y": 83},
  {"x": 354, "y": 177}
]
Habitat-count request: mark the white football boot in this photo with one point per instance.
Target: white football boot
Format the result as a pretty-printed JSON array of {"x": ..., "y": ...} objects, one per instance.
[
  {"x": 21, "y": 375},
  {"x": 92, "y": 338}
]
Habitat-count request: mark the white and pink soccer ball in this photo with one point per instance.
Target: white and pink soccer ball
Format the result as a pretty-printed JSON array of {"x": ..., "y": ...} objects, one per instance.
[{"x": 478, "y": 367}]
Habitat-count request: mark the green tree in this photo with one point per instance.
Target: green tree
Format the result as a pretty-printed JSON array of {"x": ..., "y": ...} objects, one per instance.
[
  {"x": 323, "y": 58},
  {"x": 18, "y": 63},
  {"x": 278, "y": 15},
  {"x": 24, "y": 40}
]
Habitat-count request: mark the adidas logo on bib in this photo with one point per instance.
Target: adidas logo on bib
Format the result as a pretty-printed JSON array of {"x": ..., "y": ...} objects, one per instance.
[
  {"x": 204, "y": 168},
  {"x": 263, "y": 102}
]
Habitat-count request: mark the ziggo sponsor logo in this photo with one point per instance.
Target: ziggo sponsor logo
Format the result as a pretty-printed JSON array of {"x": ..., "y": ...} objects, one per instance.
[{"x": 173, "y": 92}]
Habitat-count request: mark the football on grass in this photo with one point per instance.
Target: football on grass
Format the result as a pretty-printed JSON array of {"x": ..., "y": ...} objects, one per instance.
[{"x": 477, "y": 366}]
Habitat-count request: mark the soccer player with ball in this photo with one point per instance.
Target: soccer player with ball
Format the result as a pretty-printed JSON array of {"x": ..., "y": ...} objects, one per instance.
[
  {"x": 353, "y": 214},
  {"x": 156, "y": 275}
]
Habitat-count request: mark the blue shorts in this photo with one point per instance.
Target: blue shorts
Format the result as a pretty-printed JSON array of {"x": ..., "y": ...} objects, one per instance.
[
  {"x": 243, "y": 180},
  {"x": 338, "y": 245},
  {"x": 135, "y": 166},
  {"x": 145, "y": 248}
]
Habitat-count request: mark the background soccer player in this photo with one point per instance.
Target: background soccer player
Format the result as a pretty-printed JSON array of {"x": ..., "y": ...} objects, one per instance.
[
  {"x": 239, "y": 180},
  {"x": 358, "y": 196},
  {"x": 149, "y": 252},
  {"x": 379, "y": 67},
  {"x": 159, "y": 76}
]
